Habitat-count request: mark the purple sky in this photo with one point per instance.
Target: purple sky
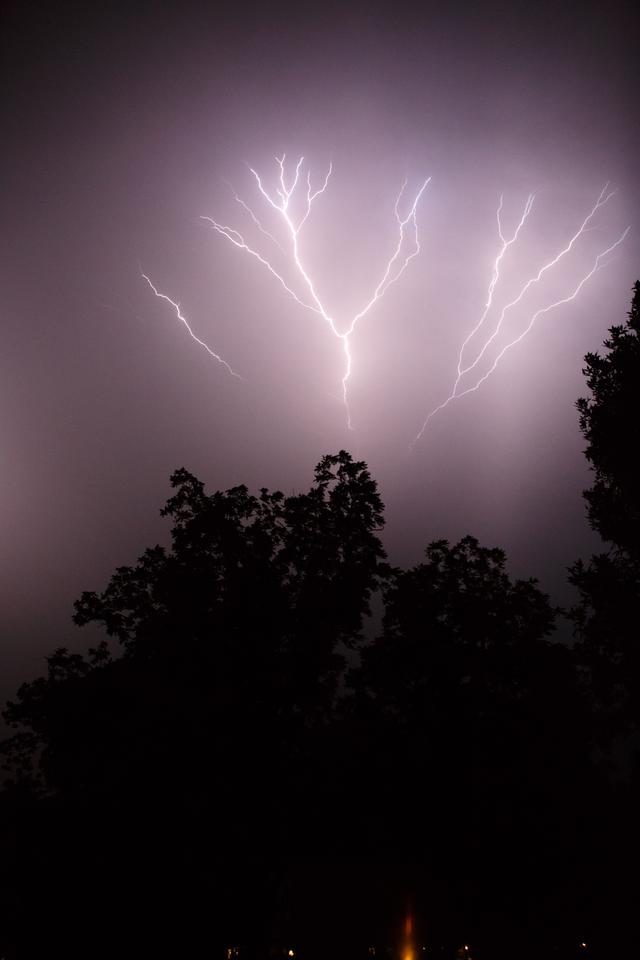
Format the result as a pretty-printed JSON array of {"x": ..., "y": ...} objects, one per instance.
[{"x": 119, "y": 134}]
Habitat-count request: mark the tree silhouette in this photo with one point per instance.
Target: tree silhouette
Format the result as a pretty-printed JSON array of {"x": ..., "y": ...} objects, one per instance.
[
  {"x": 608, "y": 613},
  {"x": 455, "y": 628},
  {"x": 230, "y": 773},
  {"x": 610, "y": 422},
  {"x": 193, "y": 747},
  {"x": 257, "y": 594},
  {"x": 469, "y": 697}
]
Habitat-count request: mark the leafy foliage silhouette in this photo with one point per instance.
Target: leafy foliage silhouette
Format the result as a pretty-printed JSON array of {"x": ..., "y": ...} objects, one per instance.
[
  {"x": 194, "y": 746},
  {"x": 244, "y": 761},
  {"x": 610, "y": 422},
  {"x": 607, "y": 615}
]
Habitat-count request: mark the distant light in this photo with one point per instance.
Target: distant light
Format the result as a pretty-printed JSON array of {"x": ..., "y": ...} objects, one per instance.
[{"x": 291, "y": 954}]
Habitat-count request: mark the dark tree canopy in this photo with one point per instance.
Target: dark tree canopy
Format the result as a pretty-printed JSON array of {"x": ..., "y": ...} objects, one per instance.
[
  {"x": 190, "y": 753},
  {"x": 309, "y": 563},
  {"x": 456, "y": 628},
  {"x": 608, "y": 613},
  {"x": 471, "y": 699},
  {"x": 606, "y": 618},
  {"x": 610, "y": 422},
  {"x": 253, "y": 603},
  {"x": 244, "y": 762}
]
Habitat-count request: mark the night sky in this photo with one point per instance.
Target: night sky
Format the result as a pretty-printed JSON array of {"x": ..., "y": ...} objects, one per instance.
[{"x": 120, "y": 131}]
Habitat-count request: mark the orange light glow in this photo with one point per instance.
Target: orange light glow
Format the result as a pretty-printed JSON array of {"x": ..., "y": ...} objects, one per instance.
[{"x": 408, "y": 951}]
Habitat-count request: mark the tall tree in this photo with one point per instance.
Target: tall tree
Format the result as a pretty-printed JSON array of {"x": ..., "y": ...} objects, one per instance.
[
  {"x": 610, "y": 422},
  {"x": 188, "y": 755},
  {"x": 607, "y": 615},
  {"x": 472, "y": 700}
]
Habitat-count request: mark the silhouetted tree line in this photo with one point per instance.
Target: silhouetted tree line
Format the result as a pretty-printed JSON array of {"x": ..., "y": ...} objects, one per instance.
[{"x": 238, "y": 764}]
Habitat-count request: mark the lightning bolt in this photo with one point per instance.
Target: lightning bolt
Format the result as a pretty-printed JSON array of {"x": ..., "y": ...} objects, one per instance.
[
  {"x": 281, "y": 201},
  {"x": 558, "y": 303},
  {"x": 253, "y": 217},
  {"x": 462, "y": 370},
  {"x": 495, "y": 277},
  {"x": 176, "y": 307}
]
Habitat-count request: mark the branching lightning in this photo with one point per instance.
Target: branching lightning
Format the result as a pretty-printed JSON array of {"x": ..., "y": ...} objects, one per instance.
[
  {"x": 291, "y": 200},
  {"x": 281, "y": 201},
  {"x": 176, "y": 307},
  {"x": 596, "y": 266},
  {"x": 462, "y": 370}
]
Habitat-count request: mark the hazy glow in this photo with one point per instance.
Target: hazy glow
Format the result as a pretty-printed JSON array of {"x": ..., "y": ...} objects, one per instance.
[
  {"x": 281, "y": 201},
  {"x": 463, "y": 370},
  {"x": 122, "y": 134}
]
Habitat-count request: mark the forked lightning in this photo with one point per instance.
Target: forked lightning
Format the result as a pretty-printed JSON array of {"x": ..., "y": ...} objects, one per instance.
[
  {"x": 280, "y": 200},
  {"x": 485, "y": 343},
  {"x": 292, "y": 200}
]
